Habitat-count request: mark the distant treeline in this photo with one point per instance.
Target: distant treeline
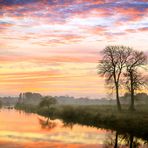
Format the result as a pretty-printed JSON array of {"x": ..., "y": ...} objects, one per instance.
[
  {"x": 8, "y": 101},
  {"x": 35, "y": 98}
]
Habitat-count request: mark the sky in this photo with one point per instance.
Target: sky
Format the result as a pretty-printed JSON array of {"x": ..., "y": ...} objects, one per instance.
[{"x": 53, "y": 46}]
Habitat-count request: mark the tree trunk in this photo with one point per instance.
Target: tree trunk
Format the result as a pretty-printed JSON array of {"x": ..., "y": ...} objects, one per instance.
[
  {"x": 117, "y": 97},
  {"x": 116, "y": 141},
  {"x": 131, "y": 141},
  {"x": 132, "y": 107}
]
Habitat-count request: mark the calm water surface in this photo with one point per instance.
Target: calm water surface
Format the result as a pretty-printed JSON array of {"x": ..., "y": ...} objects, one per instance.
[{"x": 23, "y": 130}]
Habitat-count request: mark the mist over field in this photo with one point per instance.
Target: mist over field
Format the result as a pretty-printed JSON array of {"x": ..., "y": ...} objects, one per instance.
[{"x": 73, "y": 73}]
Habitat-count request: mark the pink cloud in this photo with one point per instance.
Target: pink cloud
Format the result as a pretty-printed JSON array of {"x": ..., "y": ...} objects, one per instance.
[{"x": 143, "y": 29}]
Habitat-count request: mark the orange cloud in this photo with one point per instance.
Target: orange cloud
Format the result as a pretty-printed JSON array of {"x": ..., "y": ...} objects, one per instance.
[{"x": 50, "y": 59}]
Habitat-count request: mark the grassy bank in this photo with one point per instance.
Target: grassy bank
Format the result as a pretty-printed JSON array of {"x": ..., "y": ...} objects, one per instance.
[{"x": 135, "y": 123}]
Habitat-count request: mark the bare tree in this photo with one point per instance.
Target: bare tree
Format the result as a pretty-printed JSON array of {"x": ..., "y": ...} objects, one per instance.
[
  {"x": 134, "y": 79},
  {"x": 112, "y": 64}
]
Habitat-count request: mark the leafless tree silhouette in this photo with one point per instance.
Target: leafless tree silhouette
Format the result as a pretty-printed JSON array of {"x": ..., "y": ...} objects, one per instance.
[
  {"x": 112, "y": 64},
  {"x": 134, "y": 79}
]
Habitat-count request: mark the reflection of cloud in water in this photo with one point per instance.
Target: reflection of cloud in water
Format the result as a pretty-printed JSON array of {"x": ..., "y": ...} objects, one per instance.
[
  {"x": 10, "y": 145},
  {"x": 4, "y": 144},
  {"x": 61, "y": 136},
  {"x": 21, "y": 131},
  {"x": 23, "y": 137}
]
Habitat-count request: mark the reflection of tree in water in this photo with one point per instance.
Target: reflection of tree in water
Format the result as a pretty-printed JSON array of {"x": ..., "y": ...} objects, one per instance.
[
  {"x": 116, "y": 140},
  {"x": 47, "y": 124},
  {"x": 111, "y": 140},
  {"x": 69, "y": 125},
  {"x": 131, "y": 141}
]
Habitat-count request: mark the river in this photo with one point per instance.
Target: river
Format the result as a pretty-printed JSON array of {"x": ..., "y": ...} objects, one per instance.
[{"x": 26, "y": 130}]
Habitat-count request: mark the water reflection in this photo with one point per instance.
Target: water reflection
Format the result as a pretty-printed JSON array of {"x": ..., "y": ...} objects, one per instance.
[
  {"x": 47, "y": 123},
  {"x": 111, "y": 141},
  {"x": 22, "y": 130},
  {"x": 68, "y": 125},
  {"x": 116, "y": 140}
]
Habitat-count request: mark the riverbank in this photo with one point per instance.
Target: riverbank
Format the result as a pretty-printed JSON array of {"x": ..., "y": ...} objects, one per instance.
[{"x": 107, "y": 117}]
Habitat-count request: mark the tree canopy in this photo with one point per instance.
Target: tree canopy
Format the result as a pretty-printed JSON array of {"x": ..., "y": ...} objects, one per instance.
[{"x": 47, "y": 101}]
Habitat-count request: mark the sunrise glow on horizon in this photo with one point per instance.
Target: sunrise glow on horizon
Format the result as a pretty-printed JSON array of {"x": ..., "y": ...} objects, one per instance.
[{"x": 52, "y": 46}]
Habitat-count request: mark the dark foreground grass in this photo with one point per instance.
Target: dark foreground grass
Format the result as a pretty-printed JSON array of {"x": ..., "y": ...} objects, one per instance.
[{"x": 125, "y": 122}]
